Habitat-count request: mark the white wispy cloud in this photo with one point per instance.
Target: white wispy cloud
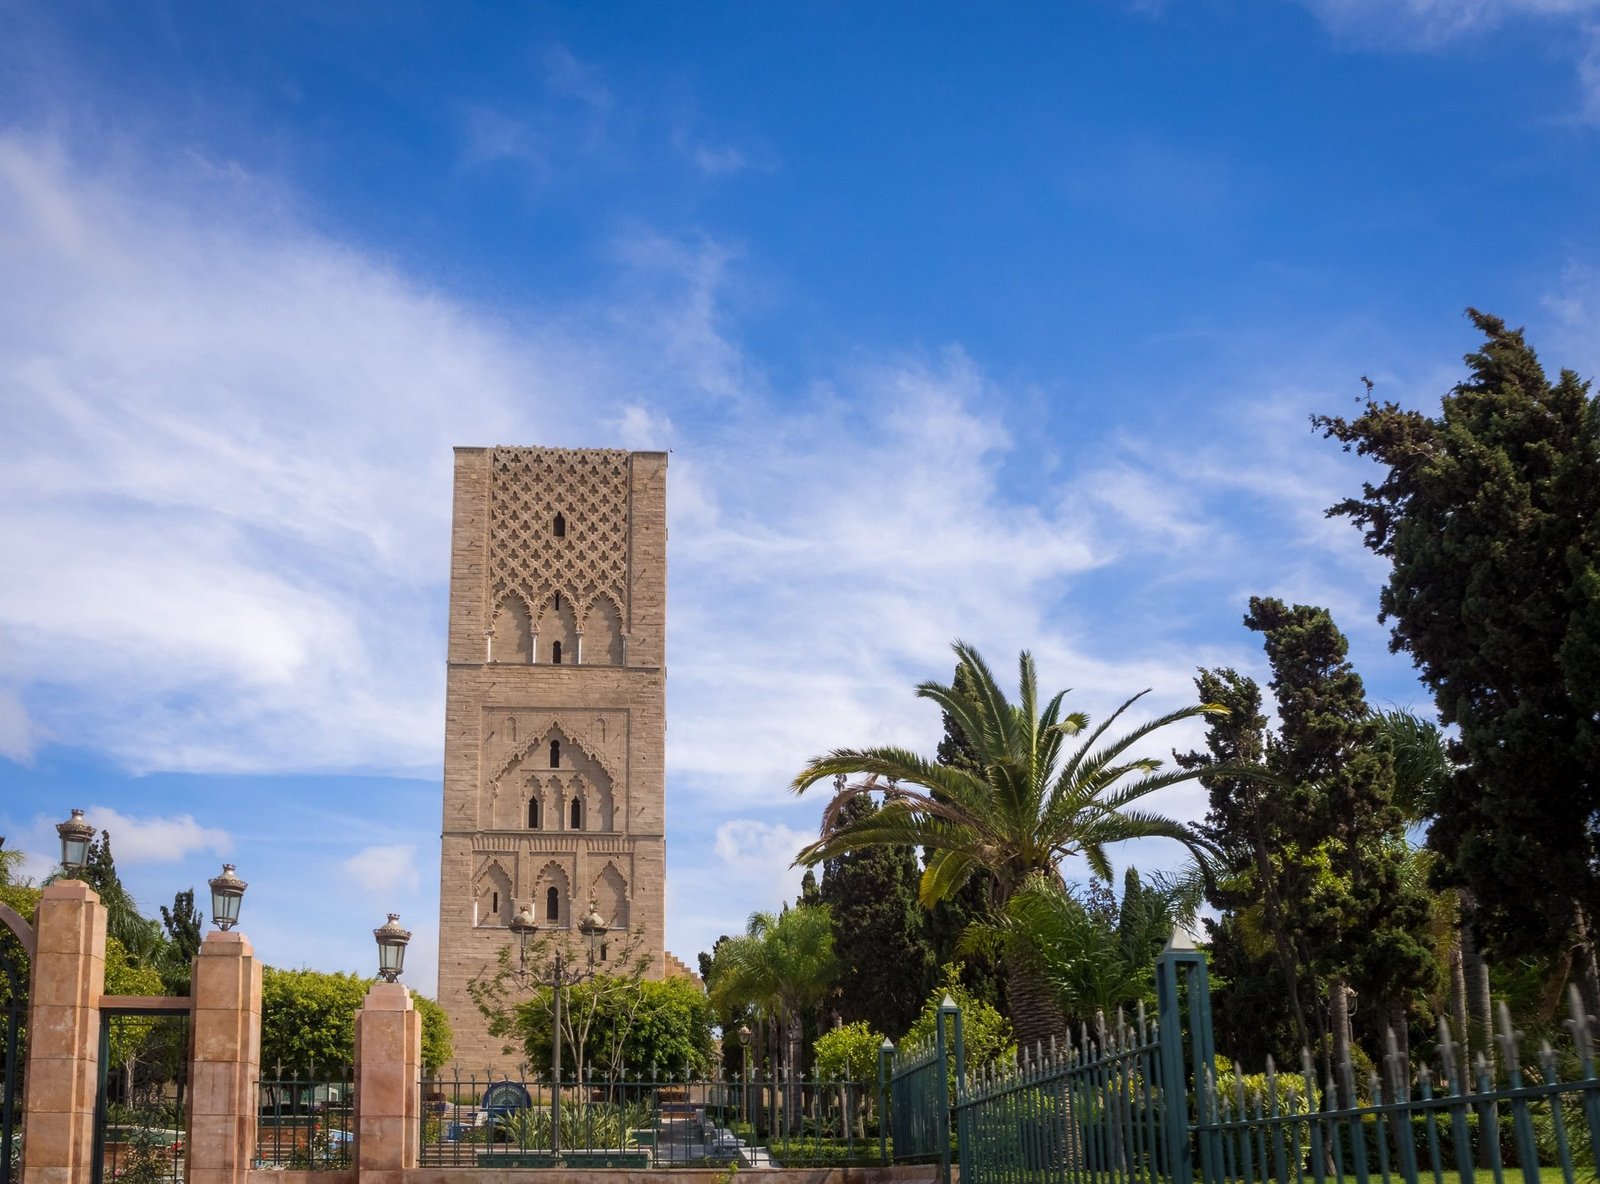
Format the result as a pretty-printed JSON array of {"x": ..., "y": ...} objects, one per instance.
[
  {"x": 385, "y": 869},
  {"x": 1434, "y": 25},
  {"x": 155, "y": 839}
]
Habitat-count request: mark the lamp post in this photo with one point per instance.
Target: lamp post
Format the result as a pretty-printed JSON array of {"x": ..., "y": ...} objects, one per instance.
[
  {"x": 744, "y": 1042},
  {"x": 76, "y": 835},
  {"x": 559, "y": 975},
  {"x": 227, "y": 891},
  {"x": 391, "y": 939}
]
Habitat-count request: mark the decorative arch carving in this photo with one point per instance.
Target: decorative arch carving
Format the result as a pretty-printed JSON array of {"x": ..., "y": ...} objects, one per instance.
[
  {"x": 553, "y": 875},
  {"x": 537, "y": 742},
  {"x": 557, "y": 627},
  {"x": 492, "y": 894},
  {"x": 602, "y": 632},
  {"x": 511, "y": 630},
  {"x": 610, "y": 892}
]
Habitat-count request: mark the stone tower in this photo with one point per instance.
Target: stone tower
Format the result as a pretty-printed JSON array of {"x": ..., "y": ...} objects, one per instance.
[{"x": 555, "y": 707}]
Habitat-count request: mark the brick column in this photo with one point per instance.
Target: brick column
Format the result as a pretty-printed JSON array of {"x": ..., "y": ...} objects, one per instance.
[
  {"x": 69, "y": 973},
  {"x": 226, "y": 1062},
  {"x": 388, "y": 1080}
]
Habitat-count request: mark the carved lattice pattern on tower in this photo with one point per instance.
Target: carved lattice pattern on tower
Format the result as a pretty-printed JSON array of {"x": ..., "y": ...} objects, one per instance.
[{"x": 529, "y": 487}]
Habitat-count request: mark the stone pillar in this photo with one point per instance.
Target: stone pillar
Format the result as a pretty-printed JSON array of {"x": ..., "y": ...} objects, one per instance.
[
  {"x": 69, "y": 972},
  {"x": 226, "y": 1061},
  {"x": 388, "y": 1084}
]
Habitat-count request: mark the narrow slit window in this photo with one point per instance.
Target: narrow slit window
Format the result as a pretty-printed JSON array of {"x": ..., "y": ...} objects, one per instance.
[
  {"x": 560, "y": 526},
  {"x": 555, "y": 754},
  {"x": 494, "y": 904},
  {"x": 555, "y": 653},
  {"x": 552, "y": 905},
  {"x": 605, "y": 951},
  {"x": 577, "y": 814},
  {"x": 533, "y": 813},
  {"x": 558, "y": 602}
]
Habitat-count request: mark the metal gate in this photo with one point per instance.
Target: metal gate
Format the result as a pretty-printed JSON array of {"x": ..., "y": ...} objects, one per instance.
[
  {"x": 139, "y": 1114},
  {"x": 15, "y": 941}
]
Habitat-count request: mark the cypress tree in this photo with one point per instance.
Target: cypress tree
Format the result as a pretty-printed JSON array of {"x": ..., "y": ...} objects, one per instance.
[{"x": 1489, "y": 515}]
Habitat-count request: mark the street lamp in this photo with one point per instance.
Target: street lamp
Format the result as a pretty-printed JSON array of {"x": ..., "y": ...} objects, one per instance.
[
  {"x": 75, "y": 837},
  {"x": 227, "y": 890},
  {"x": 392, "y": 941},
  {"x": 744, "y": 1042},
  {"x": 558, "y": 976}
]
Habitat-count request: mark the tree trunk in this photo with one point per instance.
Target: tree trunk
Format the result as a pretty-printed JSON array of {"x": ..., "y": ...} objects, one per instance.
[
  {"x": 1034, "y": 1014},
  {"x": 1400, "y": 1025},
  {"x": 1588, "y": 962},
  {"x": 791, "y": 1104},
  {"x": 1458, "y": 1003},
  {"x": 1339, "y": 1020}
]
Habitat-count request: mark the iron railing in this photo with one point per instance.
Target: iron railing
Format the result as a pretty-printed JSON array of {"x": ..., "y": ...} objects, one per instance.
[
  {"x": 626, "y": 1122},
  {"x": 1091, "y": 1110},
  {"x": 917, "y": 1086},
  {"x": 140, "y": 1115},
  {"x": 1535, "y": 1118},
  {"x": 304, "y": 1119}
]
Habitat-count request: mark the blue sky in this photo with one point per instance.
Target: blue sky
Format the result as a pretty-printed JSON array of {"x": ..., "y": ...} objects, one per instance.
[{"x": 1000, "y": 322}]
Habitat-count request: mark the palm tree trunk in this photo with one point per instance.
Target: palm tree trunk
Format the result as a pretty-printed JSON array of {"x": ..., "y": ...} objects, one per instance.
[
  {"x": 1034, "y": 1014},
  {"x": 1588, "y": 962},
  {"x": 1339, "y": 1019},
  {"x": 1458, "y": 1000}
]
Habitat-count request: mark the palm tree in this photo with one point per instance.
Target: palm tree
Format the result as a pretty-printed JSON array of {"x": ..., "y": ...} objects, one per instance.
[
  {"x": 1093, "y": 960},
  {"x": 783, "y": 965},
  {"x": 1029, "y": 804}
]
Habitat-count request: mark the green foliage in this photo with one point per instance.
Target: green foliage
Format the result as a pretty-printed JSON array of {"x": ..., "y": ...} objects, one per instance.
[
  {"x": 1314, "y": 860},
  {"x": 185, "y": 928},
  {"x": 1024, "y": 802},
  {"x": 637, "y": 1026},
  {"x": 783, "y": 965},
  {"x": 583, "y": 1124},
  {"x": 1096, "y": 959},
  {"x": 849, "y": 1053},
  {"x": 130, "y": 1036},
  {"x": 884, "y": 959},
  {"x": 1489, "y": 515},
  {"x": 24, "y": 901},
  {"x": 308, "y": 1018},
  {"x": 985, "y": 1032}
]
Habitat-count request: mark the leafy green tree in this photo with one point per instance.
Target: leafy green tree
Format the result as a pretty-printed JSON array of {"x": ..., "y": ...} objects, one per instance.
[
  {"x": 308, "y": 1021},
  {"x": 1314, "y": 855},
  {"x": 640, "y": 1027},
  {"x": 986, "y": 1033},
  {"x": 133, "y": 1039},
  {"x": 185, "y": 927},
  {"x": 1095, "y": 959},
  {"x": 1027, "y": 805},
  {"x": 849, "y": 1053},
  {"x": 885, "y": 965},
  {"x": 783, "y": 965},
  {"x": 1489, "y": 516}
]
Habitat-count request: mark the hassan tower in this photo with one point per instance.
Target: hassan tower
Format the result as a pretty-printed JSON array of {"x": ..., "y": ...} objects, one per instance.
[{"x": 555, "y": 710}]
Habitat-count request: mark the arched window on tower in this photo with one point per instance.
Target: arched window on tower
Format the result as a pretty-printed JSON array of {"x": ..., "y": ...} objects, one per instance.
[
  {"x": 577, "y": 814},
  {"x": 560, "y": 525},
  {"x": 555, "y": 652},
  {"x": 533, "y": 813},
  {"x": 555, "y": 754},
  {"x": 552, "y": 905}
]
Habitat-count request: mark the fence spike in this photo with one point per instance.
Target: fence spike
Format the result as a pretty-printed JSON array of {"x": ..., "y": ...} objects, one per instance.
[
  {"x": 1482, "y": 1067},
  {"x": 1507, "y": 1039},
  {"x": 1579, "y": 1027},
  {"x": 1447, "y": 1056},
  {"x": 1547, "y": 1063}
]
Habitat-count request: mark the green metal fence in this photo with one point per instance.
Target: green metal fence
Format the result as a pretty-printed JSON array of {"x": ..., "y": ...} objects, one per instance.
[
  {"x": 1536, "y": 1118},
  {"x": 1137, "y": 1103},
  {"x": 1092, "y": 1110},
  {"x": 628, "y": 1122},
  {"x": 305, "y": 1119},
  {"x": 916, "y": 1086}
]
